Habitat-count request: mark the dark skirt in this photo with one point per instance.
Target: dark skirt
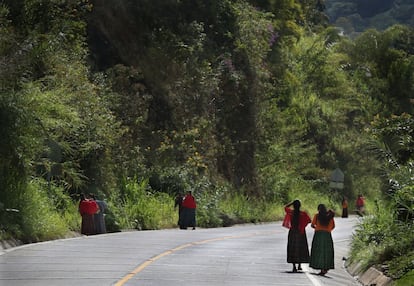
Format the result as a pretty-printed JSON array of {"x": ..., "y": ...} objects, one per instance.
[
  {"x": 88, "y": 224},
  {"x": 180, "y": 216},
  {"x": 345, "y": 212},
  {"x": 322, "y": 252},
  {"x": 99, "y": 220},
  {"x": 297, "y": 248},
  {"x": 188, "y": 218}
]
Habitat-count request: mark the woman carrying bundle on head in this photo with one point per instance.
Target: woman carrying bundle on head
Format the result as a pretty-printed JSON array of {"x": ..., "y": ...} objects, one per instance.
[{"x": 297, "y": 248}]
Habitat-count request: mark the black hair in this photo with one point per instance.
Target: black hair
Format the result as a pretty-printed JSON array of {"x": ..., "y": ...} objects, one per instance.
[
  {"x": 324, "y": 216},
  {"x": 296, "y": 213}
]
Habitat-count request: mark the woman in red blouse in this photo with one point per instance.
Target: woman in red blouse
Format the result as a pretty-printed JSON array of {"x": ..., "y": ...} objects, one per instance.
[
  {"x": 189, "y": 211},
  {"x": 87, "y": 209},
  {"x": 297, "y": 248},
  {"x": 360, "y": 205}
]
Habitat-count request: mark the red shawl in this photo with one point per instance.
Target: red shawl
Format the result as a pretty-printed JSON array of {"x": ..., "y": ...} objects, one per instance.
[
  {"x": 88, "y": 207},
  {"x": 304, "y": 220},
  {"x": 189, "y": 202}
]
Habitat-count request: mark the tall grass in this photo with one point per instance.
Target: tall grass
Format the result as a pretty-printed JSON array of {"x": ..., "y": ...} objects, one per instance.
[
  {"x": 136, "y": 207},
  {"x": 40, "y": 218},
  {"x": 311, "y": 194},
  {"x": 208, "y": 202},
  {"x": 239, "y": 208},
  {"x": 40, "y": 211},
  {"x": 382, "y": 239}
]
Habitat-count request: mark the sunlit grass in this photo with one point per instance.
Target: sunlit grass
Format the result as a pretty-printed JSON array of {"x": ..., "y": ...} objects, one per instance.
[
  {"x": 40, "y": 219},
  {"x": 139, "y": 209},
  {"x": 381, "y": 239}
]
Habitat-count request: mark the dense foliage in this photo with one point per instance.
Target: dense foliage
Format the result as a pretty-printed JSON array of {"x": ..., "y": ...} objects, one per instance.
[
  {"x": 246, "y": 103},
  {"x": 355, "y": 16}
]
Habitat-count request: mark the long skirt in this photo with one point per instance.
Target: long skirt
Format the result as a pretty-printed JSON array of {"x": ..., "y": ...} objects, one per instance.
[
  {"x": 344, "y": 212},
  {"x": 88, "y": 224},
  {"x": 322, "y": 252},
  {"x": 297, "y": 248},
  {"x": 180, "y": 216},
  {"x": 99, "y": 220},
  {"x": 188, "y": 218}
]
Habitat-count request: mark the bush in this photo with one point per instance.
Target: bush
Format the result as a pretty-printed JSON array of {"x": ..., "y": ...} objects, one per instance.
[
  {"x": 384, "y": 240},
  {"x": 407, "y": 279},
  {"x": 9, "y": 223},
  {"x": 40, "y": 219},
  {"x": 208, "y": 212},
  {"x": 136, "y": 207},
  {"x": 401, "y": 266},
  {"x": 311, "y": 194},
  {"x": 112, "y": 225},
  {"x": 241, "y": 208}
]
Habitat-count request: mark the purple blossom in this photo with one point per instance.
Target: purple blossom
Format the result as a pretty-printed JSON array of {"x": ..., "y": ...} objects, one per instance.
[{"x": 274, "y": 36}]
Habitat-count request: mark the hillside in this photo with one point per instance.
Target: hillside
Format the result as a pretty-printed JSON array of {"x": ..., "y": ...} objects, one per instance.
[
  {"x": 355, "y": 16},
  {"x": 249, "y": 104}
]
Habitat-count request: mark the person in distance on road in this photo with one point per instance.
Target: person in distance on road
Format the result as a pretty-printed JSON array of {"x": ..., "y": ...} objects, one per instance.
[
  {"x": 344, "y": 207},
  {"x": 297, "y": 247},
  {"x": 322, "y": 251},
  {"x": 87, "y": 208},
  {"x": 99, "y": 217},
  {"x": 189, "y": 211},
  {"x": 360, "y": 205}
]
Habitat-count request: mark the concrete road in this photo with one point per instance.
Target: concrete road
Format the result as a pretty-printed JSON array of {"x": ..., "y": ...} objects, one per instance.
[{"x": 245, "y": 255}]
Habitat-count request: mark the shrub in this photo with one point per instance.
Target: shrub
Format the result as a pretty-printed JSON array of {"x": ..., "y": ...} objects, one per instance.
[
  {"x": 238, "y": 207},
  {"x": 208, "y": 212},
  {"x": 40, "y": 219},
  {"x": 383, "y": 239},
  {"x": 136, "y": 207},
  {"x": 407, "y": 279},
  {"x": 401, "y": 266}
]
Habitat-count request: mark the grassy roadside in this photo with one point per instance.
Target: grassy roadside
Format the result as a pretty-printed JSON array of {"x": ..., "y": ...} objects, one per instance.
[
  {"x": 385, "y": 243},
  {"x": 46, "y": 213}
]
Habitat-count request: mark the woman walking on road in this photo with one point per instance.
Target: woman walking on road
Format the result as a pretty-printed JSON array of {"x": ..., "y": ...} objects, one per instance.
[
  {"x": 360, "y": 205},
  {"x": 297, "y": 248},
  {"x": 189, "y": 211},
  {"x": 322, "y": 252},
  {"x": 344, "y": 207}
]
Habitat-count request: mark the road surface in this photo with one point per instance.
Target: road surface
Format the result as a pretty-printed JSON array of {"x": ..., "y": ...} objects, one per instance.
[{"x": 244, "y": 255}]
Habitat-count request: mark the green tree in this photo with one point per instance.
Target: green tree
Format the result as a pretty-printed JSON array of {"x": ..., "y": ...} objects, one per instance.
[
  {"x": 319, "y": 127},
  {"x": 383, "y": 63},
  {"x": 56, "y": 121}
]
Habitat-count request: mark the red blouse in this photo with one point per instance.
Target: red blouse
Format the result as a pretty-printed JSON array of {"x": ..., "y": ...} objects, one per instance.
[
  {"x": 304, "y": 219},
  {"x": 360, "y": 202},
  {"x": 88, "y": 207},
  {"x": 189, "y": 202}
]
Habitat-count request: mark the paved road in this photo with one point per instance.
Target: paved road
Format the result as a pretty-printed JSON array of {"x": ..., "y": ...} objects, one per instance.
[{"x": 246, "y": 255}]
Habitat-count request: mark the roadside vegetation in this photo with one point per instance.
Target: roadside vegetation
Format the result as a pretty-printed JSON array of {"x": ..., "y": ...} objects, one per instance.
[{"x": 249, "y": 104}]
